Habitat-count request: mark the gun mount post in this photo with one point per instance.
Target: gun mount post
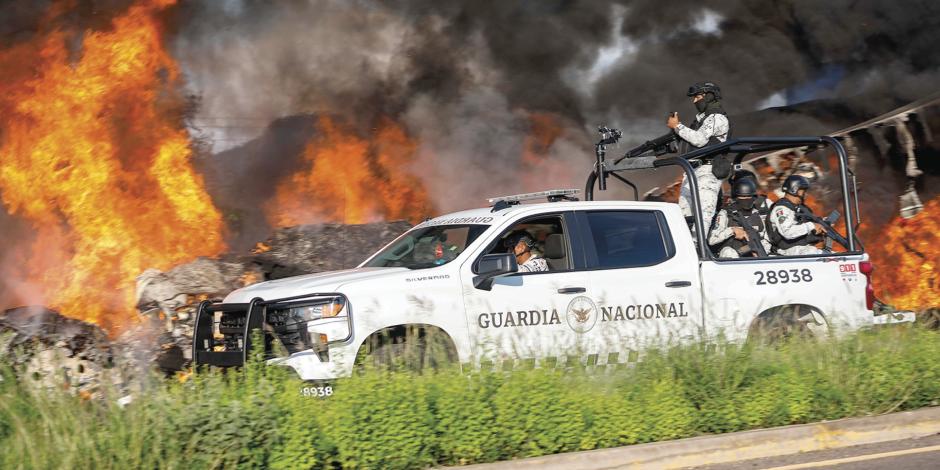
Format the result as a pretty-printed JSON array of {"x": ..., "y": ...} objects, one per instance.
[
  {"x": 646, "y": 152},
  {"x": 608, "y": 136}
]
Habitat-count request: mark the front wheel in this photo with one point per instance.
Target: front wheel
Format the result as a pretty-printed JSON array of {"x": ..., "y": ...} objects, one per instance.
[{"x": 415, "y": 350}]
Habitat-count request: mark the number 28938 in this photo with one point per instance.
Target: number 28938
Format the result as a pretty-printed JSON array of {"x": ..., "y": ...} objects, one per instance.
[{"x": 783, "y": 276}]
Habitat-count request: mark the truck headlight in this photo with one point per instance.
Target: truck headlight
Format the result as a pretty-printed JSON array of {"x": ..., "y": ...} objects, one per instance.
[
  {"x": 305, "y": 313},
  {"x": 295, "y": 323}
]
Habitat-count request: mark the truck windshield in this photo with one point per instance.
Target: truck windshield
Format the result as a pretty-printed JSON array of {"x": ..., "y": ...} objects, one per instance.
[{"x": 427, "y": 247}]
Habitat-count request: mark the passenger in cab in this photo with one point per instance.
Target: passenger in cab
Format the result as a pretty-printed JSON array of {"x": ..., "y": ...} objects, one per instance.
[
  {"x": 790, "y": 234},
  {"x": 523, "y": 246}
]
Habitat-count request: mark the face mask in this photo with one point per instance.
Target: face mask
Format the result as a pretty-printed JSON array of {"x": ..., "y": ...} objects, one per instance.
[
  {"x": 700, "y": 105},
  {"x": 746, "y": 204}
]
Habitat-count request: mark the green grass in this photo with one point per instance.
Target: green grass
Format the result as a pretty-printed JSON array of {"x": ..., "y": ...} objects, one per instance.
[{"x": 258, "y": 417}]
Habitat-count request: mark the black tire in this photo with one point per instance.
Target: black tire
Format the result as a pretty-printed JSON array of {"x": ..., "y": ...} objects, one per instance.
[
  {"x": 416, "y": 351},
  {"x": 785, "y": 324}
]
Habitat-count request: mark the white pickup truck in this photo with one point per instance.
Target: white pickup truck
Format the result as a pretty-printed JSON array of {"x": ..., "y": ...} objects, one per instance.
[{"x": 622, "y": 275}]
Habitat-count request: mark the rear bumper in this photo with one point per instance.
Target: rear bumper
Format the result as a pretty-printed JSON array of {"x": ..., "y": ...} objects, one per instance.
[{"x": 890, "y": 318}]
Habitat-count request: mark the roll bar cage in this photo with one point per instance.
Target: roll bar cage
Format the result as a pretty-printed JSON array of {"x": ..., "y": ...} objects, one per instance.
[{"x": 646, "y": 156}]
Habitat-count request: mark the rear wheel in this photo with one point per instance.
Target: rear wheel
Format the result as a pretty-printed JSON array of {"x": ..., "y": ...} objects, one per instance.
[{"x": 787, "y": 323}]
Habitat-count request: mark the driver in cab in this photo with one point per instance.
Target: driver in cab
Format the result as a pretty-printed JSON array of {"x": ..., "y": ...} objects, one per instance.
[{"x": 523, "y": 246}]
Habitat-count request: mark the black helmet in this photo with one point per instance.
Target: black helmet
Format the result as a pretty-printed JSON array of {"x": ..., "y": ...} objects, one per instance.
[
  {"x": 744, "y": 187},
  {"x": 702, "y": 88},
  {"x": 794, "y": 183},
  {"x": 743, "y": 174},
  {"x": 519, "y": 236}
]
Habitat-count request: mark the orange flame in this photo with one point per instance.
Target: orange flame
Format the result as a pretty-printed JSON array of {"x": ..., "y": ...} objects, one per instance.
[
  {"x": 540, "y": 170},
  {"x": 906, "y": 256},
  {"x": 94, "y": 154},
  {"x": 351, "y": 180}
]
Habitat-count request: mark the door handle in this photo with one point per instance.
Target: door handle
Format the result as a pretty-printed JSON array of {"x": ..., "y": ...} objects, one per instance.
[
  {"x": 678, "y": 284},
  {"x": 572, "y": 290}
]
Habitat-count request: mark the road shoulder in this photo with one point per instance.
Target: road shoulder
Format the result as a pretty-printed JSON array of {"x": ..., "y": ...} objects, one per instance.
[{"x": 747, "y": 445}]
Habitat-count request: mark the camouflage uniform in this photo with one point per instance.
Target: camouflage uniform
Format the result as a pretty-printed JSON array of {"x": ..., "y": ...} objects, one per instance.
[
  {"x": 784, "y": 221},
  {"x": 722, "y": 230},
  {"x": 711, "y": 128},
  {"x": 535, "y": 263}
]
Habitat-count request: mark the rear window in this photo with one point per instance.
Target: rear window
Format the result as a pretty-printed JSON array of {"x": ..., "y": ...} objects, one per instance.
[{"x": 628, "y": 239}]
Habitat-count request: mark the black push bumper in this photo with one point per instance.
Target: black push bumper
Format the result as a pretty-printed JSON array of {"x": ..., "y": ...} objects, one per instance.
[{"x": 223, "y": 332}]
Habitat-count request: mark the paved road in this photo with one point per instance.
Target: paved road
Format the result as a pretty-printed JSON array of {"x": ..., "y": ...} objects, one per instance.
[{"x": 912, "y": 454}]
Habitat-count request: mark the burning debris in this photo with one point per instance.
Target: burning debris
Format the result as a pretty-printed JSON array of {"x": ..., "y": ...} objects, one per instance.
[
  {"x": 57, "y": 350},
  {"x": 54, "y": 350}
]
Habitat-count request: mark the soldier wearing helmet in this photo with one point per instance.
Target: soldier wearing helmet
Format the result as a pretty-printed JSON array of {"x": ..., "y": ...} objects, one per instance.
[
  {"x": 789, "y": 234},
  {"x": 522, "y": 245},
  {"x": 729, "y": 235},
  {"x": 710, "y": 127},
  {"x": 761, "y": 201}
]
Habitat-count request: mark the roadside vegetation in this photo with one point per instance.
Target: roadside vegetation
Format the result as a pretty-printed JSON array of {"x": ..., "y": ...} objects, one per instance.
[{"x": 259, "y": 417}]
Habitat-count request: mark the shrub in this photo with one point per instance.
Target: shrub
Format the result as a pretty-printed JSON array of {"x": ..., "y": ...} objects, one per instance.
[{"x": 257, "y": 417}]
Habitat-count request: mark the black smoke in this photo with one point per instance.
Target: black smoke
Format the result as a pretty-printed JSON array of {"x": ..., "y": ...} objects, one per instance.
[{"x": 465, "y": 78}]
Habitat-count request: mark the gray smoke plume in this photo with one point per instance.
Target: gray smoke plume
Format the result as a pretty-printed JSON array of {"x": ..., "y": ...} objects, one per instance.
[
  {"x": 467, "y": 78},
  {"x": 472, "y": 81}
]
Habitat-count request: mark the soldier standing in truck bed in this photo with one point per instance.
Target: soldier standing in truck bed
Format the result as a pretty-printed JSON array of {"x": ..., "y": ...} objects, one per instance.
[{"x": 711, "y": 126}]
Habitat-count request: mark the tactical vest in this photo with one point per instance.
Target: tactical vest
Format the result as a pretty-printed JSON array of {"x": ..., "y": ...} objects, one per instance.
[
  {"x": 752, "y": 217},
  {"x": 777, "y": 240},
  {"x": 696, "y": 124},
  {"x": 686, "y": 147}
]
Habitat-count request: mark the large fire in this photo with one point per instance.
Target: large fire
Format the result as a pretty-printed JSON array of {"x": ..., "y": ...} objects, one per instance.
[
  {"x": 539, "y": 169},
  {"x": 351, "y": 179},
  {"x": 907, "y": 260},
  {"x": 95, "y": 156}
]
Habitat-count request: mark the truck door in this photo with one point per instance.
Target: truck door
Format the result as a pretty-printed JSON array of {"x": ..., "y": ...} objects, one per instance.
[
  {"x": 523, "y": 315},
  {"x": 645, "y": 288}
]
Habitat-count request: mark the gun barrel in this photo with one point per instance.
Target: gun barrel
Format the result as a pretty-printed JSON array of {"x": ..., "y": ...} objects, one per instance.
[{"x": 658, "y": 146}]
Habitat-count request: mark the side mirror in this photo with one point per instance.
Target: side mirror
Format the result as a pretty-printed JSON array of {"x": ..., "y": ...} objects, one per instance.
[{"x": 493, "y": 266}]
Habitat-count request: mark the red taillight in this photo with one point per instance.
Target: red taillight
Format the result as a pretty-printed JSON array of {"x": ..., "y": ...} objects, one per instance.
[{"x": 866, "y": 268}]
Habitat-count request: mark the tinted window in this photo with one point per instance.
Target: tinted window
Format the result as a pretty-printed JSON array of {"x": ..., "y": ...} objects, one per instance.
[
  {"x": 427, "y": 247},
  {"x": 625, "y": 239},
  {"x": 549, "y": 237}
]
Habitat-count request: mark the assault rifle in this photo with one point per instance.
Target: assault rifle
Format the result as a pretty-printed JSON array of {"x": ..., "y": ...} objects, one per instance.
[
  {"x": 753, "y": 237},
  {"x": 803, "y": 213},
  {"x": 661, "y": 145}
]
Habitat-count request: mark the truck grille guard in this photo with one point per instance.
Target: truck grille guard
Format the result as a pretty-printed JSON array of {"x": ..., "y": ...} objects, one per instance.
[{"x": 228, "y": 341}]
